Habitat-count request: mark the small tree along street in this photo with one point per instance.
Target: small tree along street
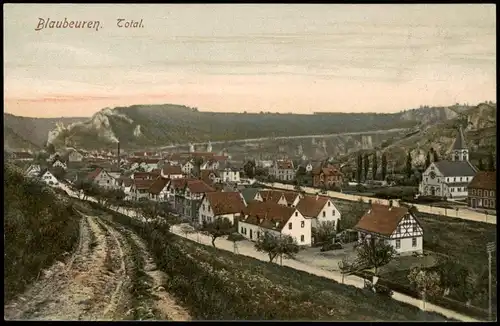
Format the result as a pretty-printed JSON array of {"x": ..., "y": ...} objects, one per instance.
[{"x": 275, "y": 245}]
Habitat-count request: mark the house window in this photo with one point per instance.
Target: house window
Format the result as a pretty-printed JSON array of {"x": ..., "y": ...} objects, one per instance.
[
  {"x": 415, "y": 229},
  {"x": 242, "y": 230},
  {"x": 328, "y": 204},
  {"x": 258, "y": 234},
  {"x": 203, "y": 206},
  {"x": 333, "y": 212},
  {"x": 479, "y": 192},
  {"x": 302, "y": 238},
  {"x": 296, "y": 214},
  {"x": 302, "y": 224},
  {"x": 108, "y": 181},
  {"x": 324, "y": 213},
  {"x": 413, "y": 242},
  {"x": 398, "y": 244},
  {"x": 454, "y": 179},
  {"x": 460, "y": 178},
  {"x": 492, "y": 193},
  {"x": 289, "y": 226},
  {"x": 473, "y": 191},
  {"x": 398, "y": 229}
]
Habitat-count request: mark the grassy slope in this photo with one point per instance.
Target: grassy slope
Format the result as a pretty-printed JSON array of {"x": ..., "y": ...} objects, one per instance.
[
  {"x": 38, "y": 229},
  {"x": 218, "y": 285},
  {"x": 35, "y": 130}
]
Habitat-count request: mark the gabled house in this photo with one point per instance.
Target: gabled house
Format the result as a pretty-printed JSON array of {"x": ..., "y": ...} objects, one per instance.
[
  {"x": 102, "y": 178},
  {"x": 215, "y": 205},
  {"x": 260, "y": 217},
  {"x": 319, "y": 209},
  {"x": 48, "y": 178},
  {"x": 328, "y": 176},
  {"x": 126, "y": 185},
  {"x": 249, "y": 194},
  {"x": 274, "y": 196},
  {"x": 194, "y": 191},
  {"x": 282, "y": 170},
  {"x": 140, "y": 188},
  {"x": 60, "y": 164},
  {"x": 187, "y": 167},
  {"x": 228, "y": 174},
  {"x": 75, "y": 156},
  {"x": 397, "y": 226},
  {"x": 33, "y": 170},
  {"x": 482, "y": 191},
  {"x": 158, "y": 189},
  {"x": 171, "y": 172},
  {"x": 292, "y": 198}
]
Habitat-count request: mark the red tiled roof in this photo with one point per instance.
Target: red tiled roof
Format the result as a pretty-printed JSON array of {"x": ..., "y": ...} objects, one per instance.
[
  {"x": 381, "y": 219},
  {"x": 205, "y": 175},
  {"x": 225, "y": 202},
  {"x": 484, "y": 180},
  {"x": 144, "y": 175},
  {"x": 284, "y": 165},
  {"x": 328, "y": 171},
  {"x": 158, "y": 185},
  {"x": 198, "y": 186},
  {"x": 23, "y": 155},
  {"x": 92, "y": 175},
  {"x": 124, "y": 181},
  {"x": 311, "y": 206},
  {"x": 271, "y": 195},
  {"x": 267, "y": 214},
  {"x": 143, "y": 184},
  {"x": 179, "y": 183},
  {"x": 171, "y": 169},
  {"x": 290, "y": 196}
]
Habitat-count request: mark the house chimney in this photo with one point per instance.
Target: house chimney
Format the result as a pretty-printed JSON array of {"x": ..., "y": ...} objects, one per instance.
[{"x": 118, "y": 149}]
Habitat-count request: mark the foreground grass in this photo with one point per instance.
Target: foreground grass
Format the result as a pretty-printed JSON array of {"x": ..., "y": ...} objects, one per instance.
[
  {"x": 218, "y": 285},
  {"x": 39, "y": 228}
]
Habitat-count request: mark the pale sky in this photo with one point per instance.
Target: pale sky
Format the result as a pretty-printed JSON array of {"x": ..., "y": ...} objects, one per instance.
[{"x": 249, "y": 57}]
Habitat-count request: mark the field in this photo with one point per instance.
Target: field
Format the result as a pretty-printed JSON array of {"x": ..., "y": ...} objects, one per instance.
[
  {"x": 39, "y": 228},
  {"x": 218, "y": 285}
]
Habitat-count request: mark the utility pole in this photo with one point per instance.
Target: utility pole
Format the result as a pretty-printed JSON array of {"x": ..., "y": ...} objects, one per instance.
[{"x": 490, "y": 247}]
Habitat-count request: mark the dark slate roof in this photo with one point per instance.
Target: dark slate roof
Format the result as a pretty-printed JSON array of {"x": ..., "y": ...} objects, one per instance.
[
  {"x": 457, "y": 184},
  {"x": 456, "y": 168},
  {"x": 460, "y": 142},
  {"x": 249, "y": 193}
]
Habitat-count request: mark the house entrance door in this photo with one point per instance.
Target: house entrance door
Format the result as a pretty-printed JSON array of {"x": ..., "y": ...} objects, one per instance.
[
  {"x": 433, "y": 191},
  {"x": 473, "y": 202}
]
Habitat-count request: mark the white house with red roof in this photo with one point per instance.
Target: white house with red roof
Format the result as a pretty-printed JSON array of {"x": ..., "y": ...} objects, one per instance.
[
  {"x": 319, "y": 209},
  {"x": 102, "y": 178},
  {"x": 260, "y": 217},
  {"x": 171, "y": 172},
  {"x": 395, "y": 225},
  {"x": 220, "y": 204}
]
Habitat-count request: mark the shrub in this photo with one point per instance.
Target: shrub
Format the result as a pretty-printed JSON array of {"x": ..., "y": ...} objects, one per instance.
[{"x": 39, "y": 228}]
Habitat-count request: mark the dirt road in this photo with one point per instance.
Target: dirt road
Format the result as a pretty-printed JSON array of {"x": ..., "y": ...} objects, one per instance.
[{"x": 110, "y": 276}]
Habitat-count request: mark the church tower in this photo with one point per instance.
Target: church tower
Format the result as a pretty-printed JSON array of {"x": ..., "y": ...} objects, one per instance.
[
  {"x": 459, "y": 150},
  {"x": 191, "y": 148}
]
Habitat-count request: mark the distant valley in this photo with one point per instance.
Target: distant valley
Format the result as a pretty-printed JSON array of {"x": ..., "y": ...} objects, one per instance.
[{"x": 265, "y": 135}]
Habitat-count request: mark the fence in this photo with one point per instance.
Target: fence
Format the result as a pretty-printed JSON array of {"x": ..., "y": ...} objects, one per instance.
[{"x": 463, "y": 214}]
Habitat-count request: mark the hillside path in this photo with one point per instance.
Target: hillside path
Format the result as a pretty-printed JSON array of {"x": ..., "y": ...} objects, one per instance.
[{"x": 96, "y": 282}]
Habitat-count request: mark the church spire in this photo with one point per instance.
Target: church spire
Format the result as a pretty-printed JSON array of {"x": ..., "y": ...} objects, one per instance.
[{"x": 459, "y": 149}]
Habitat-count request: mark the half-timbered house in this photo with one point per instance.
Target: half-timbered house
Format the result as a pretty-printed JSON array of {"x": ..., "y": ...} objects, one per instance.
[{"x": 397, "y": 226}]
